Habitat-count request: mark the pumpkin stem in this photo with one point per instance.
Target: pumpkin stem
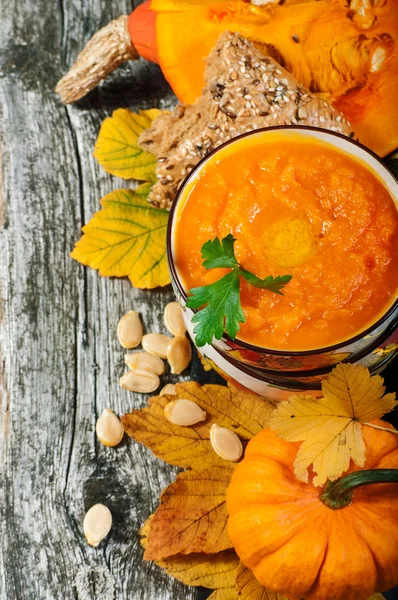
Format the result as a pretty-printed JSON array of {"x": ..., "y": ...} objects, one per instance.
[
  {"x": 107, "y": 49},
  {"x": 338, "y": 494}
]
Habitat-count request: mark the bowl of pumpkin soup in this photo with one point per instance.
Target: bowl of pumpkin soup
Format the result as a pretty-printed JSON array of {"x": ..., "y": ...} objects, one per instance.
[{"x": 320, "y": 210}]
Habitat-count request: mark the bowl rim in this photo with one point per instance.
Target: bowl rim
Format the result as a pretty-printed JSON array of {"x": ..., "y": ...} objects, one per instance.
[
  {"x": 308, "y": 372},
  {"x": 241, "y": 344},
  {"x": 295, "y": 382}
]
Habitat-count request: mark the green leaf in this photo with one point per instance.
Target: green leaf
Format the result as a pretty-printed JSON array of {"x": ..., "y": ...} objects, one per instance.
[
  {"x": 273, "y": 284},
  {"x": 223, "y": 310},
  {"x": 219, "y": 254},
  {"x": 218, "y": 304}
]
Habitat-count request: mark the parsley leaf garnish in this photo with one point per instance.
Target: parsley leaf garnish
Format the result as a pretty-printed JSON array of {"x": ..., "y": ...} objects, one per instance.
[{"x": 219, "y": 302}]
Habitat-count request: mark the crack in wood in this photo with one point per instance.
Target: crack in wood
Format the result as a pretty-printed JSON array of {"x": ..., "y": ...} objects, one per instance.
[
  {"x": 60, "y": 359},
  {"x": 2, "y": 198}
]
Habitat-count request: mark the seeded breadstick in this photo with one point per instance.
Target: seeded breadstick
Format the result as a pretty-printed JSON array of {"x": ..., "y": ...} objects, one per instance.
[
  {"x": 245, "y": 90},
  {"x": 107, "y": 49}
]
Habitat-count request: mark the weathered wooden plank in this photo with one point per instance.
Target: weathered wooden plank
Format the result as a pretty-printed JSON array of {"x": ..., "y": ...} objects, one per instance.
[
  {"x": 59, "y": 358},
  {"x": 60, "y": 361},
  {"x": 37, "y": 322}
]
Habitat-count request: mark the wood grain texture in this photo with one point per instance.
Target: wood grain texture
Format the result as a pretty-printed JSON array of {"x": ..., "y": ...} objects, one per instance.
[{"x": 59, "y": 358}]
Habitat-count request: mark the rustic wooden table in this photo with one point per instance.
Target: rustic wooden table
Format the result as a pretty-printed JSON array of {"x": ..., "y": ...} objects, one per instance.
[{"x": 59, "y": 358}]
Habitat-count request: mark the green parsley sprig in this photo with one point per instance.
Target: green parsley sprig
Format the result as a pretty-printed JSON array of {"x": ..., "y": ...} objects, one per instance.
[{"x": 219, "y": 302}]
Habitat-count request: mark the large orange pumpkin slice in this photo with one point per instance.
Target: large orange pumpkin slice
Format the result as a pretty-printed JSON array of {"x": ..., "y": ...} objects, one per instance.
[{"x": 344, "y": 49}]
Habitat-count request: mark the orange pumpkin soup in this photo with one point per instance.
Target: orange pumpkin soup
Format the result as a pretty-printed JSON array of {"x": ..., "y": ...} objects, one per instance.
[{"x": 301, "y": 208}]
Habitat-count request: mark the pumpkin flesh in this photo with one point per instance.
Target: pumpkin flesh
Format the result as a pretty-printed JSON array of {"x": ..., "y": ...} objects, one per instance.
[
  {"x": 294, "y": 209},
  {"x": 295, "y": 544},
  {"x": 347, "y": 54}
]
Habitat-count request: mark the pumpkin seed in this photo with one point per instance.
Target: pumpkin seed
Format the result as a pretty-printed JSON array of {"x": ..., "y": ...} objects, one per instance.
[
  {"x": 302, "y": 113},
  {"x": 143, "y": 361},
  {"x": 97, "y": 524},
  {"x": 129, "y": 330},
  {"x": 156, "y": 343},
  {"x": 109, "y": 428},
  {"x": 225, "y": 443},
  {"x": 184, "y": 413},
  {"x": 179, "y": 354},
  {"x": 143, "y": 382},
  {"x": 168, "y": 390},
  {"x": 174, "y": 319},
  {"x": 378, "y": 58}
]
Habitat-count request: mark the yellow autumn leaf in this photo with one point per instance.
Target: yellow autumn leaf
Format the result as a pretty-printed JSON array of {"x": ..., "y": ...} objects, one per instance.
[
  {"x": 330, "y": 428},
  {"x": 127, "y": 237},
  {"x": 192, "y": 516},
  {"x": 227, "y": 594},
  {"x": 117, "y": 147},
  {"x": 214, "y": 571},
  {"x": 205, "y": 362},
  {"x": 243, "y": 412},
  {"x": 248, "y": 588}
]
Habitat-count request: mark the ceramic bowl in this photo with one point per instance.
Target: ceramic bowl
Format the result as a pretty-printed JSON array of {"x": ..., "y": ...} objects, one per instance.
[{"x": 276, "y": 373}]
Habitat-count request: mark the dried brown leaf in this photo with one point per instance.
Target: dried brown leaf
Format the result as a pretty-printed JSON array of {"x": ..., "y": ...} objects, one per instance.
[
  {"x": 243, "y": 412},
  {"x": 192, "y": 516}
]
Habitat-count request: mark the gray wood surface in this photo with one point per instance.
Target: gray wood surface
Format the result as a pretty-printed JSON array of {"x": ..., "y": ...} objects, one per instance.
[{"x": 59, "y": 358}]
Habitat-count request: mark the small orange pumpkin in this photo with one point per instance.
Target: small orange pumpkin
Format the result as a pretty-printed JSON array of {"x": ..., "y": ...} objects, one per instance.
[{"x": 292, "y": 539}]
